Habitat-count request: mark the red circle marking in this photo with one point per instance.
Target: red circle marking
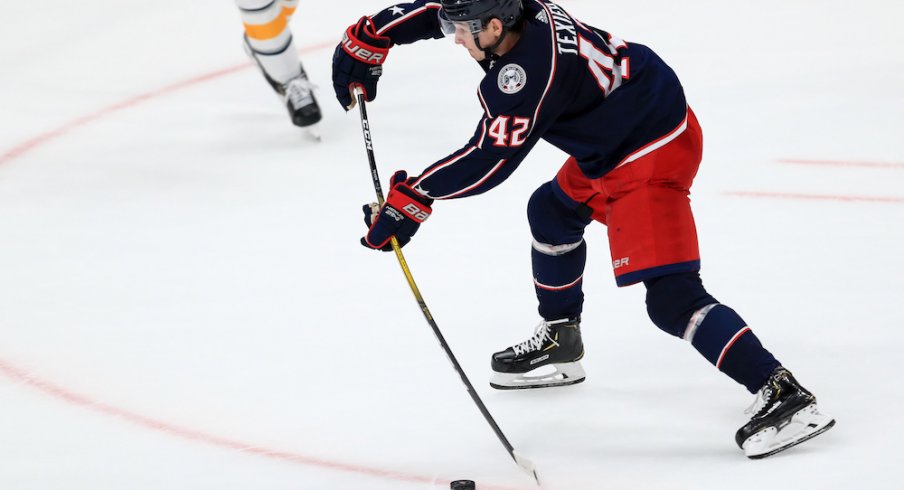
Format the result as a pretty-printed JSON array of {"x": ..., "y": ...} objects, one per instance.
[
  {"x": 72, "y": 398},
  {"x": 30, "y": 144}
]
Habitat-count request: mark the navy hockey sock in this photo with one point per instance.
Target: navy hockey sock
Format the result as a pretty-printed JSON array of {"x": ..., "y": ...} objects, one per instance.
[
  {"x": 723, "y": 338},
  {"x": 558, "y": 273},
  {"x": 558, "y": 253},
  {"x": 679, "y": 305}
]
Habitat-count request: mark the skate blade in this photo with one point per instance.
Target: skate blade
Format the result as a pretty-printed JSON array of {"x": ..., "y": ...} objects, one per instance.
[
  {"x": 563, "y": 375},
  {"x": 806, "y": 424},
  {"x": 313, "y": 132}
]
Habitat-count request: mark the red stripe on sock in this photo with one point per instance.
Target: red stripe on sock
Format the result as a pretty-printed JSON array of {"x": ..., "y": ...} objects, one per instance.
[{"x": 729, "y": 344}]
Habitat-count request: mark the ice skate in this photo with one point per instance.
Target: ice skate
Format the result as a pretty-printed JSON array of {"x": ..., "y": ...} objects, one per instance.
[
  {"x": 297, "y": 94},
  {"x": 299, "y": 98},
  {"x": 549, "y": 358},
  {"x": 785, "y": 414}
]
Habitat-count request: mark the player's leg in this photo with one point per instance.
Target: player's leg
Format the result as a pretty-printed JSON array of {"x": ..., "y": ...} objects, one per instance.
[
  {"x": 653, "y": 239},
  {"x": 558, "y": 251},
  {"x": 268, "y": 40},
  {"x": 558, "y": 254},
  {"x": 784, "y": 413},
  {"x": 679, "y": 305}
]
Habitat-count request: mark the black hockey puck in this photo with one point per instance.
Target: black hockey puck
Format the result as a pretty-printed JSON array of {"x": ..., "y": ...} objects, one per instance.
[{"x": 462, "y": 485}]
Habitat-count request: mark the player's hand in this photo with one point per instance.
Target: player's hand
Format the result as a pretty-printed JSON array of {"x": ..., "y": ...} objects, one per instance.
[
  {"x": 400, "y": 216},
  {"x": 358, "y": 61}
]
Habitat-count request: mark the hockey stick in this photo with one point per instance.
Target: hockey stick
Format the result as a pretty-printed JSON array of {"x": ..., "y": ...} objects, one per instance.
[{"x": 525, "y": 464}]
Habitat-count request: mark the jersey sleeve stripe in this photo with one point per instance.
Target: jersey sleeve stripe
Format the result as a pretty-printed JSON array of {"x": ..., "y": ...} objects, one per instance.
[
  {"x": 646, "y": 150},
  {"x": 408, "y": 17},
  {"x": 439, "y": 166},
  {"x": 476, "y": 184},
  {"x": 483, "y": 133},
  {"x": 483, "y": 102}
]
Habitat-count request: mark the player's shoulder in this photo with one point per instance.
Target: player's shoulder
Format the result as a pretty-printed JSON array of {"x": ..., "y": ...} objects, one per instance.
[{"x": 524, "y": 73}]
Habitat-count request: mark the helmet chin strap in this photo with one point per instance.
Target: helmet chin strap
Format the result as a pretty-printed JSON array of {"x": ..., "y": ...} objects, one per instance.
[{"x": 489, "y": 51}]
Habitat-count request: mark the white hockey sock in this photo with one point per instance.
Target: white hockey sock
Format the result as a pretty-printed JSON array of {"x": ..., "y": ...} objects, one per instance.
[{"x": 267, "y": 30}]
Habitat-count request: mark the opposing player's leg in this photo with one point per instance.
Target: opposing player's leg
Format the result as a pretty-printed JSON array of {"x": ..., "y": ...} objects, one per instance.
[
  {"x": 551, "y": 356},
  {"x": 269, "y": 42}
]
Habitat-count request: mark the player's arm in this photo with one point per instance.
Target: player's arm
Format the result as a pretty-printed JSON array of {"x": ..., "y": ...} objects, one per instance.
[
  {"x": 358, "y": 59},
  {"x": 499, "y": 144},
  {"x": 514, "y": 120},
  {"x": 496, "y": 149},
  {"x": 405, "y": 23}
]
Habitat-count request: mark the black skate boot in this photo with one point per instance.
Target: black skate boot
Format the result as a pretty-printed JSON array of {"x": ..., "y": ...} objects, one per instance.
[
  {"x": 300, "y": 101},
  {"x": 556, "y": 344},
  {"x": 297, "y": 94},
  {"x": 785, "y": 415}
]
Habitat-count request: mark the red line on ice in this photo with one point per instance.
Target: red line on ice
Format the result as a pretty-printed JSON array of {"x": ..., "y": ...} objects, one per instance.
[
  {"x": 817, "y": 197},
  {"x": 72, "y": 398},
  {"x": 845, "y": 163},
  {"x": 41, "y": 139}
]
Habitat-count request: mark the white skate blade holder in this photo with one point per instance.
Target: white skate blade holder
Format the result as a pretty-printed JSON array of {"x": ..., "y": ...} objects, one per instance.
[
  {"x": 803, "y": 425},
  {"x": 313, "y": 132},
  {"x": 550, "y": 375}
]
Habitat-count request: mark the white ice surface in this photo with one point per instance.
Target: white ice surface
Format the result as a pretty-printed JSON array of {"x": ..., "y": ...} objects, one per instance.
[{"x": 184, "y": 304}]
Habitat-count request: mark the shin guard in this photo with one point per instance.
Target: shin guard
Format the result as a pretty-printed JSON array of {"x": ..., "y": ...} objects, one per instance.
[
  {"x": 726, "y": 341},
  {"x": 558, "y": 272},
  {"x": 679, "y": 305}
]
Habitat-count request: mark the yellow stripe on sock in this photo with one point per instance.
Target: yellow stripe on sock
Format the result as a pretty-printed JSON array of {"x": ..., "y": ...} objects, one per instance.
[{"x": 272, "y": 29}]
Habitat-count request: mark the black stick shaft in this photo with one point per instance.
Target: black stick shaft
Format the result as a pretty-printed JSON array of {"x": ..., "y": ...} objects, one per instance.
[{"x": 368, "y": 143}]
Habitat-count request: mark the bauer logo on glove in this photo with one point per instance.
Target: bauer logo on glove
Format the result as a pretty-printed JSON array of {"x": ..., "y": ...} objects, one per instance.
[
  {"x": 400, "y": 216},
  {"x": 363, "y": 52},
  {"x": 357, "y": 61}
]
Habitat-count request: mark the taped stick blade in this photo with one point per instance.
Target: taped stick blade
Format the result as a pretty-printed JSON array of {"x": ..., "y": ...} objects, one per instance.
[{"x": 526, "y": 465}]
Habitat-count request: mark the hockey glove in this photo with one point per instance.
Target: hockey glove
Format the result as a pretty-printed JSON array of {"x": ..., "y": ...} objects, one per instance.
[
  {"x": 401, "y": 215},
  {"x": 358, "y": 60}
]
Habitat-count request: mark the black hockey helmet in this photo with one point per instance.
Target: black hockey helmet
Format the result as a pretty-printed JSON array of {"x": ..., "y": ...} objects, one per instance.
[{"x": 478, "y": 12}]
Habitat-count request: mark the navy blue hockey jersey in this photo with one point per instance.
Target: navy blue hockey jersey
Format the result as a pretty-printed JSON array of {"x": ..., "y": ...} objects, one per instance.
[{"x": 594, "y": 96}]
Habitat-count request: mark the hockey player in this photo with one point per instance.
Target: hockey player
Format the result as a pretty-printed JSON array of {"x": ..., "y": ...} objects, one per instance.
[
  {"x": 635, "y": 145},
  {"x": 268, "y": 41}
]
